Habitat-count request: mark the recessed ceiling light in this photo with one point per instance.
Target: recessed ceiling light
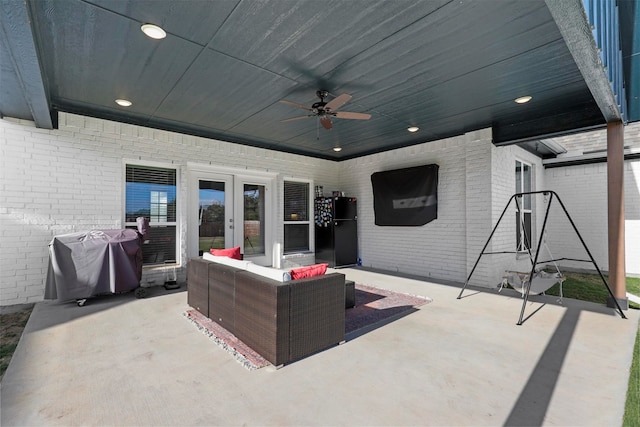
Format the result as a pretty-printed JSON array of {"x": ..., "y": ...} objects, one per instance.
[
  {"x": 153, "y": 31},
  {"x": 123, "y": 102},
  {"x": 413, "y": 129},
  {"x": 523, "y": 99},
  {"x": 337, "y": 149}
]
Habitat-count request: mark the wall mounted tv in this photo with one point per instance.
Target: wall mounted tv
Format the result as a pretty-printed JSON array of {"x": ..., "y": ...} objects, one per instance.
[{"x": 406, "y": 197}]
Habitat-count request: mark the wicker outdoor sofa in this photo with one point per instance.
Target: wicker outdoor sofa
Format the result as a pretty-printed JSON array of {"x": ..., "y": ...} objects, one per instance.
[{"x": 282, "y": 321}]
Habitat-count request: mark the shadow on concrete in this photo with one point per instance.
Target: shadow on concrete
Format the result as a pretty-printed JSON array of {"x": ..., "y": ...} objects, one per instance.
[
  {"x": 531, "y": 407},
  {"x": 472, "y": 291}
]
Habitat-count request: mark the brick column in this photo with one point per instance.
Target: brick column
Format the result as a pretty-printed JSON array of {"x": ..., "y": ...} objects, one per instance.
[{"x": 615, "y": 194}]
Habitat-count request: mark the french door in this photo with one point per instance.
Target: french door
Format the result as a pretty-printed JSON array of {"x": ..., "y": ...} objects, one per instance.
[
  {"x": 229, "y": 210},
  {"x": 210, "y": 212}
]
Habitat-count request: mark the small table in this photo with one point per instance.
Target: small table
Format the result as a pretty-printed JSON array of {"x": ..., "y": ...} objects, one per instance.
[{"x": 349, "y": 294}]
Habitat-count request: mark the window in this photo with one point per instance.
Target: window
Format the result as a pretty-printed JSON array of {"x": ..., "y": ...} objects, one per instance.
[
  {"x": 523, "y": 207},
  {"x": 151, "y": 192},
  {"x": 297, "y": 222}
]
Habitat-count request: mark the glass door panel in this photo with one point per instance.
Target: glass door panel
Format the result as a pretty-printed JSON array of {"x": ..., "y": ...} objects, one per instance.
[
  {"x": 254, "y": 219},
  {"x": 210, "y": 223},
  {"x": 211, "y": 215}
]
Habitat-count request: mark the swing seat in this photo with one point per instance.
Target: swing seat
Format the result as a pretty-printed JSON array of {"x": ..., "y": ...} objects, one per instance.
[{"x": 541, "y": 282}]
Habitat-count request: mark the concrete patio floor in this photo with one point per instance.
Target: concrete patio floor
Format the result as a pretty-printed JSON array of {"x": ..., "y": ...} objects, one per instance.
[{"x": 122, "y": 361}]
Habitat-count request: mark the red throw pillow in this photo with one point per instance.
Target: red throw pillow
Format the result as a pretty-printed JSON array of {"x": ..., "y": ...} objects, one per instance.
[
  {"x": 231, "y": 252},
  {"x": 309, "y": 271}
]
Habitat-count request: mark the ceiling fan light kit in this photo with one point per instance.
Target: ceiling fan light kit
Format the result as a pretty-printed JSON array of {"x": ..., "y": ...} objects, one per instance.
[{"x": 326, "y": 110}]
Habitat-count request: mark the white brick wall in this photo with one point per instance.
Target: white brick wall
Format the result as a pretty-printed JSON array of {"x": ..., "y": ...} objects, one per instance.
[
  {"x": 447, "y": 247},
  {"x": 597, "y": 140},
  {"x": 410, "y": 249},
  {"x": 583, "y": 189},
  {"x": 476, "y": 180},
  {"x": 478, "y": 205},
  {"x": 70, "y": 179}
]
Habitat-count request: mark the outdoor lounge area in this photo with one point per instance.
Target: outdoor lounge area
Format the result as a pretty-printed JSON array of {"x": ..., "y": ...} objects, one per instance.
[
  {"x": 285, "y": 212},
  {"x": 127, "y": 361}
]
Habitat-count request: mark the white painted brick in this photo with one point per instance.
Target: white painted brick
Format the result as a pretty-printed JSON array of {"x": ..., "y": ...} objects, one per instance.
[
  {"x": 73, "y": 181},
  {"x": 9, "y": 297},
  {"x": 586, "y": 201}
]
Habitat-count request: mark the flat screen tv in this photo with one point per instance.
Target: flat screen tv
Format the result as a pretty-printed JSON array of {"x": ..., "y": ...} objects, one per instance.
[{"x": 405, "y": 197}]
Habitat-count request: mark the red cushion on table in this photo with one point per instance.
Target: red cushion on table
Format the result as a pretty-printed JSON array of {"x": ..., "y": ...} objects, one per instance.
[
  {"x": 308, "y": 271},
  {"x": 231, "y": 252}
]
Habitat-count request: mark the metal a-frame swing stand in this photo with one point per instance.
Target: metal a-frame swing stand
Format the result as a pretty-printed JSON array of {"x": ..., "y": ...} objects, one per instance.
[{"x": 552, "y": 194}]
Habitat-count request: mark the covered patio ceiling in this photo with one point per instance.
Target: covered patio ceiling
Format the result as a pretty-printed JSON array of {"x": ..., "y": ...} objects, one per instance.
[{"x": 447, "y": 67}]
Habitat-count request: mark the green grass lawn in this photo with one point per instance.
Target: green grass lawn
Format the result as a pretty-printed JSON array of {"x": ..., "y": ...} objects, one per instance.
[
  {"x": 589, "y": 287},
  {"x": 632, "y": 407}
]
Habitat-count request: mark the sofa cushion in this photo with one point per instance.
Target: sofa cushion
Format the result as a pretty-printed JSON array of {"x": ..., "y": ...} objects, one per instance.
[
  {"x": 230, "y": 252},
  {"x": 270, "y": 273},
  {"x": 231, "y": 262},
  {"x": 308, "y": 271}
]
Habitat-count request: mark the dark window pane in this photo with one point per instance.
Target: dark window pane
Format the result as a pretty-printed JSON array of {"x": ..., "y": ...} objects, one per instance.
[
  {"x": 254, "y": 219},
  {"x": 296, "y": 237},
  {"x": 211, "y": 215},
  {"x": 527, "y": 230},
  {"x": 296, "y": 201},
  {"x": 523, "y": 231},
  {"x": 518, "y": 232},
  {"x": 150, "y": 192},
  {"x": 526, "y": 185},
  {"x": 160, "y": 245}
]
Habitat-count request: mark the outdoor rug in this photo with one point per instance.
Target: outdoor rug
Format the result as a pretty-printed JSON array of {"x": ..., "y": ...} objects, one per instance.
[
  {"x": 375, "y": 307},
  {"x": 226, "y": 340}
]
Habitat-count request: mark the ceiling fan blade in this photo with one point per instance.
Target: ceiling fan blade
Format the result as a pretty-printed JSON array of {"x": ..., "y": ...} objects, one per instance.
[
  {"x": 296, "y": 118},
  {"x": 352, "y": 116},
  {"x": 295, "y": 104},
  {"x": 338, "y": 102},
  {"x": 325, "y": 121}
]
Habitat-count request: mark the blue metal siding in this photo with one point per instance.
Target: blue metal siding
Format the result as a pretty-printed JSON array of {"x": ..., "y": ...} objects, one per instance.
[{"x": 605, "y": 24}]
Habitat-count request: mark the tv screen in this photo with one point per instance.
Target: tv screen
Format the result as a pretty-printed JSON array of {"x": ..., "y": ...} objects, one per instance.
[{"x": 405, "y": 197}]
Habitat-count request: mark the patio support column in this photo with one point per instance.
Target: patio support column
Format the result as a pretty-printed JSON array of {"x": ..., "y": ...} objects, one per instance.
[{"x": 615, "y": 195}]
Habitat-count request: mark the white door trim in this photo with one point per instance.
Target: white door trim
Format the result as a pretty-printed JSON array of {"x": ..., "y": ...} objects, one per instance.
[
  {"x": 195, "y": 176},
  {"x": 238, "y": 176}
]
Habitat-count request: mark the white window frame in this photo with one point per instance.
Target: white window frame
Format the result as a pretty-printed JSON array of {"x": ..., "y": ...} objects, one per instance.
[
  {"x": 176, "y": 224},
  {"x": 520, "y": 246},
  {"x": 310, "y": 215}
]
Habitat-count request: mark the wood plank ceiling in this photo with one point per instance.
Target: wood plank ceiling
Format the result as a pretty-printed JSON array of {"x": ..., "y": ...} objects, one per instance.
[{"x": 447, "y": 67}]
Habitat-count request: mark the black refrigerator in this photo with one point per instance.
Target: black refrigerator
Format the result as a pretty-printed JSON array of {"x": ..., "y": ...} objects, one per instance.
[{"x": 336, "y": 231}]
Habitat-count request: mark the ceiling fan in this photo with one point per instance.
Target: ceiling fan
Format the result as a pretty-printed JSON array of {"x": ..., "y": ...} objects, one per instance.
[{"x": 325, "y": 110}]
